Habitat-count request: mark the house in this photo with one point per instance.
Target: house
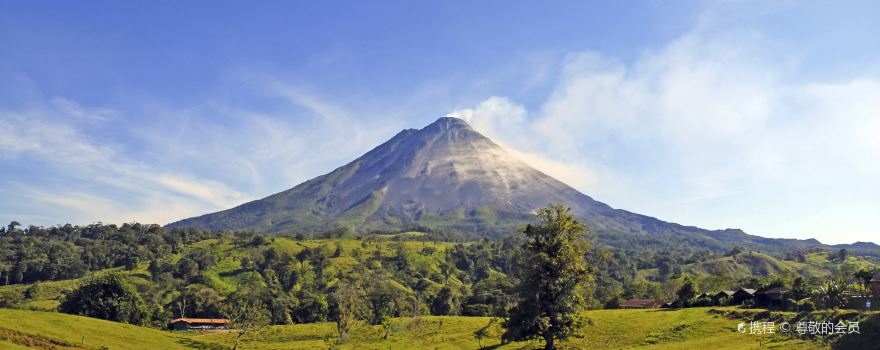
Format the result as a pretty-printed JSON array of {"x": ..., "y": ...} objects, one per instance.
[
  {"x": 770, "y": 296},
  {"x": 722, "y": 297},
  {"x": 641, "y": 304},
  {"x": 183, "y": 324},
  {"x": 742, "y": 295},
  {"x": 875, "y": 285}
]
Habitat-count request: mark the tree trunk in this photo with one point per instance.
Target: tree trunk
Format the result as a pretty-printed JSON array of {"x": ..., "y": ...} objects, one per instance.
[
  {"x": 234, "y": 347},
  {"x": 548, "y": 346}
]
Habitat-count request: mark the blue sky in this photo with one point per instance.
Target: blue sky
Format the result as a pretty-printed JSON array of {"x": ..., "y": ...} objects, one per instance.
[{"x": 753, "y": 115}]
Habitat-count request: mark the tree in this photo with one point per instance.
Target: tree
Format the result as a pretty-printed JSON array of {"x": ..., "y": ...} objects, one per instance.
[
  {"x": 687, "y": 292},
  {"x": 4, "y": 271},
  {"x": 665, "y": 267},
  {"x": 864, "y": 276},
  {"x": 842, "y": 254},
  {"x": 799, "y": 289},
  {"x": 247, "y": 316},
  {"x": 829, "y": 296},
  {"x": 445, "y": 302},
  {"x": 312, "y": 307},
  {"x": 447, "y": 268},
  {"x": 13, "y": 226},
  {"x": 154, "y": 269},
  {"x": 553, "y": 275},
  {"x": 108, "y": 297},
  {"x": 736, "y": 250},
  {"x": 33, "y": 291},
  {"x": 387, "y": 324},
  {"x": 347, "y": 306}
]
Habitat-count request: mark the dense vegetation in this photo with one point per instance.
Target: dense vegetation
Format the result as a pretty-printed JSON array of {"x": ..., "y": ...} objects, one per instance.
[
  {"x": 374, "y": 279},
  {"x": 37, "y": 253}
]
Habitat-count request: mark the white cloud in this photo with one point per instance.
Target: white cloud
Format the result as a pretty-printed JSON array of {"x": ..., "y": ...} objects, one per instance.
[
  {"x": 175, "y": 162},
  {"x": 90, "y": 172},
  {"x": 706, "y": 131}
]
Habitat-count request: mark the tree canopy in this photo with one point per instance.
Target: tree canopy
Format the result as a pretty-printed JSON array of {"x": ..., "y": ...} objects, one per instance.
[
  {"x": 553, "y": 276},
  {"x": 108, "y": 297}
]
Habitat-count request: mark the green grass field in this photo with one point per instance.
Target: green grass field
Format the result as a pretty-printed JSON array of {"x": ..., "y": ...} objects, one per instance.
[{"x": 611, "y": 329}]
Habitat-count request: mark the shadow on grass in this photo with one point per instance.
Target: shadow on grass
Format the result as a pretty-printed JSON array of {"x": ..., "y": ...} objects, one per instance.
[
  {"x": 300, "y": 337},
  {"x": 665, "y": 310},
  {"x": 195, "y": 344}
]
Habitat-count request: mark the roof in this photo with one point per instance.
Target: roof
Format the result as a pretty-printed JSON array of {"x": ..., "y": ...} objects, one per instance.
[
  {"x": 876, "y": 277},
  {"x": 201, "y": 320},
  {"x": 747, "y": 290},
  {"x": 640, "y": 302},
  {"x": 726, "y": 292}
]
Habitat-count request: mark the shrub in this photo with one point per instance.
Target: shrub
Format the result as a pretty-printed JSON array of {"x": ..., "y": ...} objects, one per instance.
[
  {"x": 108, "y": 297},
  {"x": 33, "y": 291},
  {"x": 806, "y": 306},
  {"x": 867, "y": 338}
]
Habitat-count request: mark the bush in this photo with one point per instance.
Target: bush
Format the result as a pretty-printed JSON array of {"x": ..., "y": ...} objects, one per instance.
[
  {"x": 867, "y": 338},
  {"x": 477, "y": 310},
  {"x": 10, "y": 300},
  {"x": 311, "y": 308},
  {"x": 33, "y": 291},
  {"x": 108, "y": 297},
  {"x": 806, "y": 306},
  {"x": 829, "y": 296}
]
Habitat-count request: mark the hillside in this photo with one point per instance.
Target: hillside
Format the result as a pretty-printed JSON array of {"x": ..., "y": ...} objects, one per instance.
[
  {"x": 21, "y": 329},
  {"x": 227, "y": 275},
  {"x": 758, "y": 265},
  {"x": 610, "y": 329}
]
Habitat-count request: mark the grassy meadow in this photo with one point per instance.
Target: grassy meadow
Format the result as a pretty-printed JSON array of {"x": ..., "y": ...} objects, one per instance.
[
  {"x": 694, "y": 328},
  {"x": 35, "y": 325}
]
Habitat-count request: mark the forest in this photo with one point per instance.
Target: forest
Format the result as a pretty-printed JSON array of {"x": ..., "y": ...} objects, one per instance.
[{"x": 424, "y": 273}]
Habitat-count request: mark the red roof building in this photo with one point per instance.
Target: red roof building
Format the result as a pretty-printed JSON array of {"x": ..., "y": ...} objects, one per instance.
[
  {"x": 183, "y": 324},
  {"x": 641, "y": 304}
]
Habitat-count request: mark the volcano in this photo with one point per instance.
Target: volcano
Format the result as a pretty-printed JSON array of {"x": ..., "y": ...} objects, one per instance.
[{"x": 448, "y": 177}]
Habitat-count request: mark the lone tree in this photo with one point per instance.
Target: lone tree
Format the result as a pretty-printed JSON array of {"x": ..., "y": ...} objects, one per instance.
[
  {"x": 108, "y": 297},
  {"x": 248, "y": 316},
  {"x": 687, "y": 292},
  {"x": 552, "y": 273},
  {"x": 347, "y": 306}
]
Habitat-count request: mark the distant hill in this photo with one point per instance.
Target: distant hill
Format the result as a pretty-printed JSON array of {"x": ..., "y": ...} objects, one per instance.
[{"x": 448, "y": 177}]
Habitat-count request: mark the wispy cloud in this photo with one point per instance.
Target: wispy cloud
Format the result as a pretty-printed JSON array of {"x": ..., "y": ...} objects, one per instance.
[
  {"x": 707, "y": 131},
  {"x": 91, "y": 171},
  {"x": 178, "y": 162}
]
